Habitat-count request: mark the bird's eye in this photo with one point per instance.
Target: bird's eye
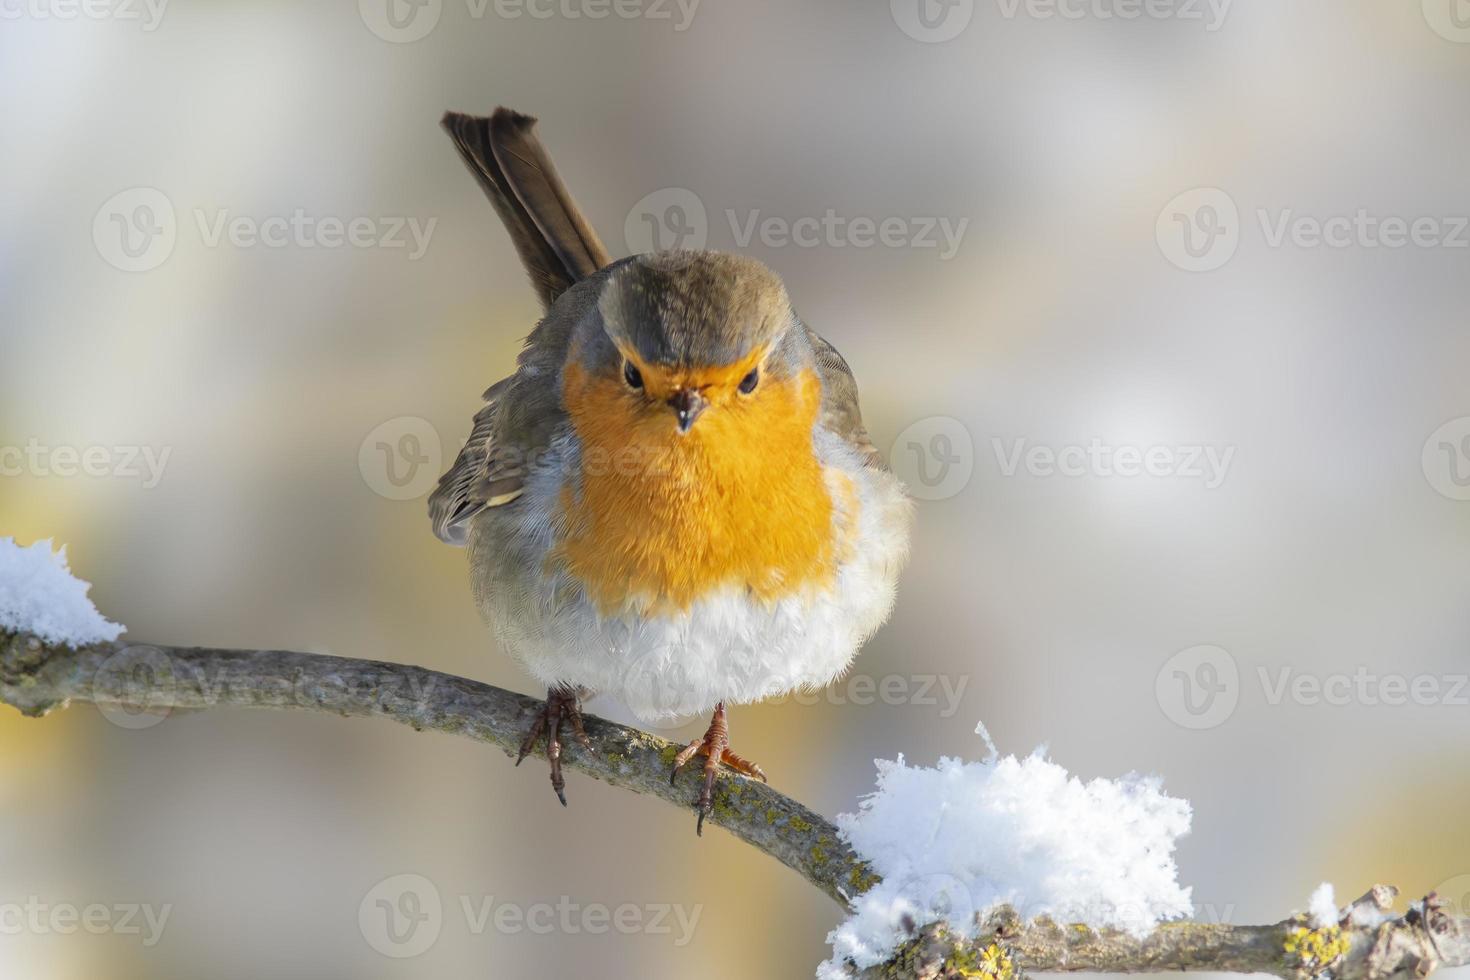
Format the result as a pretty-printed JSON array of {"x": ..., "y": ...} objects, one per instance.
[
  {"x": 632, "y": 375},
  {"x": 748, "y": 383}
]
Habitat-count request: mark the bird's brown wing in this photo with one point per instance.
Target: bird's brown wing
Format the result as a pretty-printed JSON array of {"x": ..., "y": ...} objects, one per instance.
[
  {"x": 517, "y": 425},
  {"x": 476, "y": 480},
  {"x": 841, "y": 412},
  {"x": 562, "y": 255},
  {"x": 556, "y": 243}
]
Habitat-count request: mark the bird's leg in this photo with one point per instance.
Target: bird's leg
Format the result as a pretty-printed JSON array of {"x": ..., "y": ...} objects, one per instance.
[
  {"x": 562, "y": 703},
  {"x": 715, "y": 747}
]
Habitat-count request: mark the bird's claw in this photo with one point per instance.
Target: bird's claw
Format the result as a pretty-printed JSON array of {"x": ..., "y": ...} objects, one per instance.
[
  {"x": 715, "y": 747},
  {"x": 561, "y": 705}
]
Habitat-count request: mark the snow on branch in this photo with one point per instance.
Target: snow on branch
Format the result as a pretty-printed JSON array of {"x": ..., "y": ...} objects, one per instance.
[{"x": 39, "y": 594}]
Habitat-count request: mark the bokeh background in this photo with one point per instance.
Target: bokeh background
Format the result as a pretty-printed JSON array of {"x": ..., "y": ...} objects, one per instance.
[{"x": 299, "y": 389}]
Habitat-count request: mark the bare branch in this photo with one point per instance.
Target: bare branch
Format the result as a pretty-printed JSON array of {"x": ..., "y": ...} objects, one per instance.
[{"x": 37, "y": 678}]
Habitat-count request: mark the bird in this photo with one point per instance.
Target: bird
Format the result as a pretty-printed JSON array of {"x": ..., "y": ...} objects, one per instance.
[{"x": 673, "y": 500}]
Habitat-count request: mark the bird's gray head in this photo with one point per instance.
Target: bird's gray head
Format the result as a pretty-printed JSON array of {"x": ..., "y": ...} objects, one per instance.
[
  {"x": 691, "y": 330},
  {"x": 694, "y": 309}
]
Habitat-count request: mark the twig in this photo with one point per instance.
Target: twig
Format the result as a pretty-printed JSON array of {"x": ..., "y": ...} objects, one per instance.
[
  {"x": 37, "y": 678},
  {"x": 1367, "y": 945}
]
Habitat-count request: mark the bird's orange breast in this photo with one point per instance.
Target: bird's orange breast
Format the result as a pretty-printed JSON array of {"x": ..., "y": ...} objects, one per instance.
[{"x": 658, "y": 519}]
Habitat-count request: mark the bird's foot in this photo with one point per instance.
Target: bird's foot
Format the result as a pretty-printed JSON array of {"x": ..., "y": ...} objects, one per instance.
[
  {"x": 715, "y": 747},
  {"x": 562, "y": 704}
]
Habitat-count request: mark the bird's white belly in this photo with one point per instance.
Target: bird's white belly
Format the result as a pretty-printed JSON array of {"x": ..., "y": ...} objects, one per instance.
[{"x": 727, "y": 645}]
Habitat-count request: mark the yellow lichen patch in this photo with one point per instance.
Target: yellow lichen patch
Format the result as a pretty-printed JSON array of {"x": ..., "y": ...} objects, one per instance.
[
  {"x": 861, "y": 878},
  {"x": 1311, "y": 951},
  {"x": 725, "y": 804},
  {"x": 992, "y": 962}
]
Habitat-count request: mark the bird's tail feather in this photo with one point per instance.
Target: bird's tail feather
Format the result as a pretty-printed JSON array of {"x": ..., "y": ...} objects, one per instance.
[{"x": 554, "y": 240}]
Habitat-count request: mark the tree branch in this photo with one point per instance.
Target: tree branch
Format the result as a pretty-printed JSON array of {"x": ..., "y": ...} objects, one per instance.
[
  {"x": 140, "y": 680},
  {"x": 132, "y": 679},
  {"x": 1364, "y": 945}
]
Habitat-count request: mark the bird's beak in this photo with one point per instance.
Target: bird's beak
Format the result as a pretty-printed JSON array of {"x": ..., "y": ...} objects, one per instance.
[{"x": 687, "y": 404}]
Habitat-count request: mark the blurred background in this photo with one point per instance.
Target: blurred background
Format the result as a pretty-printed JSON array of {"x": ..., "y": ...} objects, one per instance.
[{"x": 1161, "y": 310}]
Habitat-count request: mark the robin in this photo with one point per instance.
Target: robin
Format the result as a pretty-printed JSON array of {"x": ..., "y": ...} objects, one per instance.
[{"x": 672, "y": 500}]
